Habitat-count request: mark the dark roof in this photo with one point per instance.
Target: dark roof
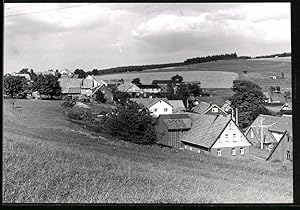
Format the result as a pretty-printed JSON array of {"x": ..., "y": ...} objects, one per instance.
[
  {"x": 147, "y": 86},
  {"x": 218, "y": 100},
  {"x": 177, "y": 121},
  {"x": 277, "y": 97},
  {"x": 161, "y": 81},
  {"x": 206, "y": 129},
  {"x": 201, "y": 107},
  {"x": 177, "y": 105}
]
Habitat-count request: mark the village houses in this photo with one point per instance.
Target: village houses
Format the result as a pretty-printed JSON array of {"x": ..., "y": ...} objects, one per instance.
[{"x": 157, "y": 106}]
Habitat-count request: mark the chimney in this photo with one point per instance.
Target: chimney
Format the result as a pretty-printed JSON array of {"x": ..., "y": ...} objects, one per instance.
[
  {"x": 210, "y": 103},
  {"x": 232, "y": 115},
  {"x": 237, "y": 116}
]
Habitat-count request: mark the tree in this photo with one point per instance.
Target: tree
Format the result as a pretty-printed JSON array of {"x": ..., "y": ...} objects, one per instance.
[
  {"x": 249, "y": 99},
  {"x": 95, "y": 72},
  {"x": 271, "y": 89},
  {"x": 277, "y": 88},
  {"x": 24, "y": 71},
  {"x": 32, "y": 75},
  {"x": 14, "y": 85},
  {"x": 47, "y": 85},
  {"x": 100, "y": 97},
  {"x": 194, "y": 89},
  {"x": 132, "y": 122},
  {"x": 183, "y": 92},
  {"x": 177, "y": 79},
  {"x": 136, "y": 81},
  {"x": 80, "y": 72},
  {"x": 120, "y": 97}
]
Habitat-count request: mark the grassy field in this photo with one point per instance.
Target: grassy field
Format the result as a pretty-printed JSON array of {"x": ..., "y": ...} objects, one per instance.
[
  {"x": 48, "y": 159},
  {"x": 209, "y": 79},
  {"x": 219, "y": 74}
]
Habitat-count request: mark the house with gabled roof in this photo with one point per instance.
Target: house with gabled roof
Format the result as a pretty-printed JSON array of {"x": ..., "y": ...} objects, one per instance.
[
  {"x": 266, "y": 132},
  {"x": 201, "y": 107},
  {"x": 157, "y": 106},
  {"x": 217, "y": 135},
  {"x": 286, "y": 108},
  {"x": 90, "y": 83},
  {"x": 178, "y": 106},
  {"x": 70, "y": 86},
  {"x": 149, "y": 88},
  {"x": 130, "y": 88},
  {"x": 171, "y": 128}
]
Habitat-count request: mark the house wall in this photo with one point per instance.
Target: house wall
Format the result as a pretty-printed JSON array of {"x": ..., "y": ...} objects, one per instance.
[
  {"x": 227, "y": 152},
  {"x": 160, "y": 106},
  {"x": 239, "y": 141},
  {"x": 280, "y": 153},
  {"x": 151, "y": 90},
  {"x": 86, "y": 91},
  {"x": 218, "y": 111}
]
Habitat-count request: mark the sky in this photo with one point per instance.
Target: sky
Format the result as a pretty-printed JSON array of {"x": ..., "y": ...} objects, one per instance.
[{"x": 42, "y": 36}]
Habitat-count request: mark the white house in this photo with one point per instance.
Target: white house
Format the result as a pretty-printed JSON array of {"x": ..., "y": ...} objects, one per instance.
[{"x": 157, "y": 106}]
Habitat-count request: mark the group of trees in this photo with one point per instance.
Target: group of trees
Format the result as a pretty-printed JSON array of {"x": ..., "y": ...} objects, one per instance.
[
  {"x": 275, "y": 55},
  {"x": 249, "y": 100},
  {"x": 211, "y": 58},
  {"x": 17, "y": 86}
]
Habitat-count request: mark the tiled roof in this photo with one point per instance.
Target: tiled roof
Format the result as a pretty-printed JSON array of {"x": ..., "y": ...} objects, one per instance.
[
  {"x": 218, "y": 100},
  {"x": 74, "y": 91},
  {"x": 177, "y": 104},
  {"x": 289, "y": 104},
  {"x": 148, "y": 102},
  {"x": 67, "y": 83},
  {"x": 126, "y": 86},
  {"x": 267, "y": 136},
  {"x": 87, "y": 83},
  {"x": 277, "y": 97},
  {"x": 206, "y": 129},
  {"x": 147, "y": 86},
  {"x": 177, "y": 121},
  {"x": 201, "y": 107},
  {"x": 283, "y": 124},
  {"x": 99, "y": 80}
]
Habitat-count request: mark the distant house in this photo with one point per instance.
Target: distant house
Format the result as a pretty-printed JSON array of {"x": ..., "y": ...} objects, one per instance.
[
  {"x": 287, "y": 108},
  {"x": 171, "y": 128},
  {"x": 157, "y": 106},
  {"x": 217, "y": 135},
  {"x": 48, "y": 72},
  {"x": 70, "y": 87},
  {"x": 130, "y": 88},
  {"x": 201, "y": 107},
  {"x": 149, "y": 89},
  {"x": 227, "y": 106},
  {"x": 105, "y": 90},
  {"x": 114, "y": 82},
  {"x": 268, "y": 131},
  {"x": 90, "y": 83},
  {"x": 283, "y": 150},
  {"x": 178, "y": 106},
  {"x": 274, "y": 98},
  {"x": 66, "y": 72},
  {"x": 163, "y": 84},
  {"x": 218, "y": 100}
]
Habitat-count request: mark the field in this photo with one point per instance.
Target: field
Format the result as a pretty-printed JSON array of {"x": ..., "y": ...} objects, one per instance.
[
  {"x": 48, "y": 159},
  {"x": 219, "y": 74},
  {"x": 209, "y": 79}
]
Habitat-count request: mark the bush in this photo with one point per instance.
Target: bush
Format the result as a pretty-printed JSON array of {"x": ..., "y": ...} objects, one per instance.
[
  {"x": 133, "y": 123},
  {"x": 78, "y": 113},
  {"x": 68, "y": 103}
]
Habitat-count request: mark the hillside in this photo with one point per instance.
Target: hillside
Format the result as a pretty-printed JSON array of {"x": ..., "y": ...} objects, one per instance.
[{"x": 46, "y": 160}]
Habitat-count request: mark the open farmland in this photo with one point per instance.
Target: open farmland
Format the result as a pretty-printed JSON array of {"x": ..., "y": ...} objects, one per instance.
[
  {"x": 48, "y": 159},
  {"x": 219, "y": 74},
  {"x": 208, "y": 79}
]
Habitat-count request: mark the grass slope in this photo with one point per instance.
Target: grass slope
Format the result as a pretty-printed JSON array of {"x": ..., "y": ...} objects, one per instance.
[{"x": 47, "y": 159}]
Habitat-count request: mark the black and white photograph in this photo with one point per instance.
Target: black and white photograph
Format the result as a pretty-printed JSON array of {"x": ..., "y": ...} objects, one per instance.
[{"x": 147, "y": 103}]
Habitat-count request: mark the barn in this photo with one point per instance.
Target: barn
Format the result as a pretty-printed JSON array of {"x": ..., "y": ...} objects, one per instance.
[{"x": 171, "y": 128}]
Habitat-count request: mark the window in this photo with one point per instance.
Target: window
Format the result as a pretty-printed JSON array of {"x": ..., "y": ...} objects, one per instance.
[
  {"x": 226, "y": 137},
  {"x": 234, "y": 137},
  {"x": 185, "y": 147},
  {"x": 288, "y": 155},
  {"x": 191, "y": 148},
  {"x": 242, "y": 151},
  {"x": 251, "y": 134},
  {"x": 155, "y": 110},
  {"x": 218, "y": 152},
  {"x": 232, "y": 151},
  {"x": 198, "y": 150},
  {"x": 165, "y": 109},
  {"x": 214, "y": 110}
]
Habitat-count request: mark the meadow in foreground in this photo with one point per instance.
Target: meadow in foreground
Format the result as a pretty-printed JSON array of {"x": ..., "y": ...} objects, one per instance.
[{"x": 48, "y": 159}]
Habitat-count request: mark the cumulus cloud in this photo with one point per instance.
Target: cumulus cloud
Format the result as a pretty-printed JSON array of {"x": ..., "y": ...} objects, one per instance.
[{"x": 114, "y": 34}]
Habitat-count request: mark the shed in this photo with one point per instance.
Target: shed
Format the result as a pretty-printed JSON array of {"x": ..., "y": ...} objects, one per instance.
[{"x": 171, "y": 128}]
